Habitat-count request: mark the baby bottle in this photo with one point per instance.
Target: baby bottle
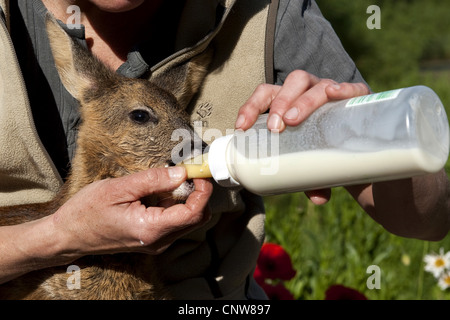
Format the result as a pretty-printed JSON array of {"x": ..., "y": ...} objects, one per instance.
[{"x": 385, "y": 136}]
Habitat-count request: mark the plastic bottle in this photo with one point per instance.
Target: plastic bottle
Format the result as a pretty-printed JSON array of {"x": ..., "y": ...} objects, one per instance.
[{"x": 385, "y": 136}]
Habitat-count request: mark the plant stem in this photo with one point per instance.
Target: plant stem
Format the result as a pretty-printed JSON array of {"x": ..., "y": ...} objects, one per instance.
[{"x": 426, "y": 246}]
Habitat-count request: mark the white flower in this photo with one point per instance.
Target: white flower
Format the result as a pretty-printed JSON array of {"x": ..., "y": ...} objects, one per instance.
[
  {"x": 437, "y": 263},
  {"x": 444, "y": 280}
]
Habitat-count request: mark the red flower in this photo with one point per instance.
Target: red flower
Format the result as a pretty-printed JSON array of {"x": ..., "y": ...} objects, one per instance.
[
  {"x": 277, "y": 292},
  {"x": 258, "y": 275},
  {"x": 274, "y": 263},
  {"x": 340, "y": 292}
]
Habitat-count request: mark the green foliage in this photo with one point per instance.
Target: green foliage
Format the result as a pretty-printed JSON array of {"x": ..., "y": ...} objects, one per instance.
[
  {"x": 411, "y": 32},
  {"x": 337, "y": 242}
]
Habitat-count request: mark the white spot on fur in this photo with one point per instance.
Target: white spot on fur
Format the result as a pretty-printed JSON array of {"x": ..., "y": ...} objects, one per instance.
[{"x": 183, "y": 191}]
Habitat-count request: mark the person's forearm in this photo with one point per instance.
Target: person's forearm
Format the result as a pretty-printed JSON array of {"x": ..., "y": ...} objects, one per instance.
[
  {"x": 30, "y": 246},
  {"x": 417, "y": 208}
]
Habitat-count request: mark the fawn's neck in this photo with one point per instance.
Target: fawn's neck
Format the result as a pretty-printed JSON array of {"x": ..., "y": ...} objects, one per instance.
[{"x": 85, "y": 169}]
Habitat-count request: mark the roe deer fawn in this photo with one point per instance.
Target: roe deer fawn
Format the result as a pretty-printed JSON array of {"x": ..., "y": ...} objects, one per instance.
[{"x": 126, "y": 127}]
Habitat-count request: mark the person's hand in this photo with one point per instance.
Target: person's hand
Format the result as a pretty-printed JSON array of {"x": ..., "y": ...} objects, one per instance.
[
  {"x": 108, "y": 217},
  {"x": 301, "y": 94}
]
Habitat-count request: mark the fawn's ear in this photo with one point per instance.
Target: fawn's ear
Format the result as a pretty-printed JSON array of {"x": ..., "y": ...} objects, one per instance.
[
  {"x": 184, "y": 80},
  {"x": 77, "y": 68}
]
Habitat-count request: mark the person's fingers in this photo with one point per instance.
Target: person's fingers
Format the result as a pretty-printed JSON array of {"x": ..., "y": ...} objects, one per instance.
[
  {"x": 191, "y": 212},
  {"x": 258, "y": 103},
  {"x": 319, "y": 197},
  {"x": 293, "y": 111},
  {"x": 300, "y": 95},
  {"x": 173, "y": 222},
  {"x": 296, "y": 84},
  {"x": 141, "y": 184},
  {"x": 308, "y": 102},
  {"x": 161, "y": 243},
  {"x": 346, "y": 90}
]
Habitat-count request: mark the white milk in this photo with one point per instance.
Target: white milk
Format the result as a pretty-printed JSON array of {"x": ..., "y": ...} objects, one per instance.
[{"x": 320, "y": 169}]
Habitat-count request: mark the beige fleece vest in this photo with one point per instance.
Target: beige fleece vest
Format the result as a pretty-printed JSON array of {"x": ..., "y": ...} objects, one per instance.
[{"x": 27, "y": 174}]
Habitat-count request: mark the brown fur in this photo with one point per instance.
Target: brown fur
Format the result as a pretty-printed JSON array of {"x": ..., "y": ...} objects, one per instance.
[{"x": 110, "y": 144}]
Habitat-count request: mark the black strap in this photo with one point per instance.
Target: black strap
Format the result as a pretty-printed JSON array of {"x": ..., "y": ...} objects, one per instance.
[
  {"x": 270, "y": 41},
  {"x": 306, "y": 3},
  {"x": 2, "y": 15}
]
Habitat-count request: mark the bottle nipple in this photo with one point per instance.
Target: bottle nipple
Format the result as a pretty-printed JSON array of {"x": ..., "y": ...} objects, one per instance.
[{"x": 197, "y": 167}]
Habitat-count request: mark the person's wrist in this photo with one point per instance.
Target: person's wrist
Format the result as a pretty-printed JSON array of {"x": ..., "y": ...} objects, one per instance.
[{"x": 55, "y": 246}]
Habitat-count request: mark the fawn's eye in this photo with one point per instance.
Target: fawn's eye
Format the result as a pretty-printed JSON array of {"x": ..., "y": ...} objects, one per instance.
[{"x": 142, "y": 116}]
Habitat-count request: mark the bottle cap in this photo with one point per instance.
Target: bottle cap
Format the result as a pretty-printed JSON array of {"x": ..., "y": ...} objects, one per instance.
[{"x": 218, "y": 164}]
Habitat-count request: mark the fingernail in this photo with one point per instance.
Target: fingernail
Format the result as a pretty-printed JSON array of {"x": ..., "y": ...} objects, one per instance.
[
  {"x": 336, "y": 86},
  {"x": 292, "y": 114},
  {"x": 176, "y": 173},
  {"x": 240, "y": 121},
  {"x": 274, "y": 122}
]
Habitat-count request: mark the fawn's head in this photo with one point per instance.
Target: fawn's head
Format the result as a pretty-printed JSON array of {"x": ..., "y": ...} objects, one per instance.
[{"x": 128, "y": 125}]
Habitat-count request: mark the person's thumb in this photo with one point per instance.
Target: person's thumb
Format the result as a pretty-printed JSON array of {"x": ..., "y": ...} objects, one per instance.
[{"x": 141, "y": 184}]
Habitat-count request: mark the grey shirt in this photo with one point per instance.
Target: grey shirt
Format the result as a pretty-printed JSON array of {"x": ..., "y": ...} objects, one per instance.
[
  {"x": 302, "y": 41},
  {"x": 309, "y": 43}
]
